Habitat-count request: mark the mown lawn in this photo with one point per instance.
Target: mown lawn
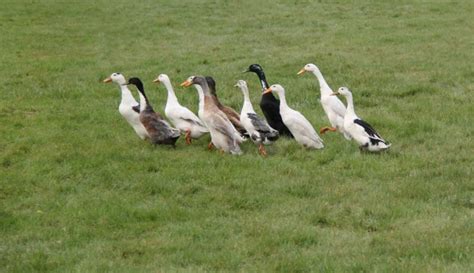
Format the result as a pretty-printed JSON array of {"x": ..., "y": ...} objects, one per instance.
[{"x": 79, "y": 192}]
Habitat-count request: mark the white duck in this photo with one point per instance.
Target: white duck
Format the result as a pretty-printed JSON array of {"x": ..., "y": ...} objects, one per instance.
[
  {"x": 364, "y": 134},
  {"x": 298, "y": 125},
  {"x": 224, "y": 136},
  {"x": 181, "y": 117},
  {"x": 258, "y": 129},
  {"x": 129, "y": 108},
  {"x": 332, "y": 106}
]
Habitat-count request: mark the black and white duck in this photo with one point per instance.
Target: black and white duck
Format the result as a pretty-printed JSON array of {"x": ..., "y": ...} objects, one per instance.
[
  {"x": 269, "y": 104},
  {"x": 159, "y": 129}
]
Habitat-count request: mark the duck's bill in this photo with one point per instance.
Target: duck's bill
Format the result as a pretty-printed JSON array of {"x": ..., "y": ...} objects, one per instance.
[
  {"x": 245, "y": 71},
  {"x": 186, "y": 83},
  {"x": 109, "y": 79},
  {"x": 268, "y": 90},
  {"x": 301, "y": 71},
  {"x": 156, "y": 80},
  {"x": 335, "y": 94}
]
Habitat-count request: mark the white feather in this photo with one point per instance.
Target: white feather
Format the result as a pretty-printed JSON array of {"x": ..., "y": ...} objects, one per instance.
[{"x": 298, "y": 125}]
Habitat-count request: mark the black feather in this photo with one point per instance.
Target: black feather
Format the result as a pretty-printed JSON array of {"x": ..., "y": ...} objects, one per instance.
[
  {"x": 136, "y": 108},
  {"x": 373, "y": 135}
]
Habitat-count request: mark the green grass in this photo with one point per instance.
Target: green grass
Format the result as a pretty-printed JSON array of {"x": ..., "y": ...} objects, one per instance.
[{"x": 79, "y": 192}]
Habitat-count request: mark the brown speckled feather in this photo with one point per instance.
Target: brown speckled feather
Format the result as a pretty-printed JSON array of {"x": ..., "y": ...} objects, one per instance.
[{"x": 159, "y": 131}]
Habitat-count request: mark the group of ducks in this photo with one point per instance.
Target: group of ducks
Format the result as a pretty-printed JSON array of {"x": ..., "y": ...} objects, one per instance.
[{"x": 228, "y": 129}]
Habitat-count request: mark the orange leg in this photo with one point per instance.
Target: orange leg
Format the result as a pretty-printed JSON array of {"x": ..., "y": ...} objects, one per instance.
[
  {"x": 210, "y": 146},
  {"x": 262, "y": 151},
  {"x": 188, "y": 137},
  {"x": 325, "y": 129}
]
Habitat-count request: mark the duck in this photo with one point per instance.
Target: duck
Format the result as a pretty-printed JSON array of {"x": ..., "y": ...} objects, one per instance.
[
  {"x": 332, "y": 106},
  {"x": 299, "y": 126},
  {"x": 362, "y": 132},
  {"x": 258, "y": 129},
  {"x": 231, "y": 114},
  {"x": 181, "y": 117},
  {"x": 159, "y": 129},
  {"x": 224, "y": 136},
  {"x": 129, "y": 108},
  {"x": 269, "y": 104}
]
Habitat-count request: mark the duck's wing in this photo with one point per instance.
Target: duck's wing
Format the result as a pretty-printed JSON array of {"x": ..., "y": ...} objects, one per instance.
[
  {"x": 231, "y": 112},
  {"x": 223, "y": 125},
  {"x": 159, "y": 128},
  {"x": 302, "y": 126},
  {"x": 337, "y": 106},
  {"x": 234, "y": 118},
  {"x": 258, "y": 123},
  {"x": 373, "y": 135},
  {"x": 232, "y": 115},
  {"x": 188, "y": 116}
]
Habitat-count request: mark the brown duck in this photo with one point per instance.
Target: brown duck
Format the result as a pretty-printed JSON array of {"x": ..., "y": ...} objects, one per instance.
[
  {"x": 231, "y": 114},
  {"x": 224, "y": 136}
]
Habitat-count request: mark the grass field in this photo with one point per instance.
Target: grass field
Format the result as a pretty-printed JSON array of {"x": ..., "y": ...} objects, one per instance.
[{"x": 80, "y": 192}]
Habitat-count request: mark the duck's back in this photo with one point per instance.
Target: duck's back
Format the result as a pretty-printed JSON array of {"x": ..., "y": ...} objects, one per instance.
[{"x": 159, "y": 130}]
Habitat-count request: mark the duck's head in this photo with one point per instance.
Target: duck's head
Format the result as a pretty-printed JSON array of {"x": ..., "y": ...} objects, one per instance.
[
  {"x": 194, "y": 80},
  {"x": 161, "y": 78},
  {"x": 308, "y": 67},
  {"x": 256, "y": 68},
  {"x": 342, "y": 91},
  {"x": 276, "y": 88},
  {"x": 137, "y": 82},
  {"x": 117, "y": 78},
  {"x": 241, "y": 84},
  {"x": 188, "y": 82}
]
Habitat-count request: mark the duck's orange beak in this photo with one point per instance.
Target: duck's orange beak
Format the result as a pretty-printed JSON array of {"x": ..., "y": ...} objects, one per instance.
[
  {"x": 109, "y": 79},
  {"x": 335, "y": 94},
  {"x": 186, "y": 83},
  {"x": 268, "y": 90},
  {"x": 156, "y": 80},
  {"x": 301, "y": 71}
]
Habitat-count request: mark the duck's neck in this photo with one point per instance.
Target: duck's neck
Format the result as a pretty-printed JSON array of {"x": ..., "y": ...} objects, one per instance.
[
  {"x": 143, "y": 101},
  {"x": 263, "y": 80},
  {"x": 127, "y": 97},
  {"x": 201, "y": 96},
  {"x": 283, "y": 103},
  {"x": 247, "y": 103},
  {"x": 350, "y": 104},
  {"x": 325, "y": 89},
  {"x": 171, "y": 95}
]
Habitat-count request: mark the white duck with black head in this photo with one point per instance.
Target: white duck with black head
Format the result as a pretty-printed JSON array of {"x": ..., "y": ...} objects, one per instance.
[
  {"x": 224, "y": 136},
  {"x": 129, "y": 108},
  {"x": 181, "y": 117},
  {"x": 298, "y": 125},
  {"x": 258, "y": 129},
  {"x": 159, "y": 130},
  {"x": 332, "y": 106},
  {"x": 362, "y": 132}
]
